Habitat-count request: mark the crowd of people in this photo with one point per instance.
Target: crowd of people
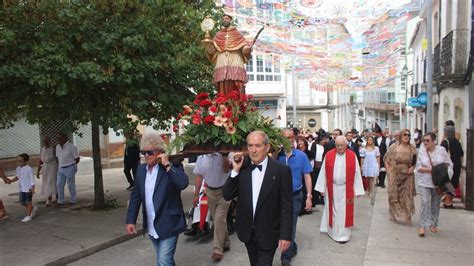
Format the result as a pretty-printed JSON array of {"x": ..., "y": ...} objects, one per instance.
[
  {"x": 269, "y": 190},
  {"x": 59, "y": 165},
  {"x": 265, "y": 192}
]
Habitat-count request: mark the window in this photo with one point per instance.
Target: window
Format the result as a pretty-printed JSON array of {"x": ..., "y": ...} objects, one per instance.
[
  {"x": 269, "y": 77},
  {"x": 260, "y": 77},
  {"x": 268, "y": 64},
  {"x": 277, "y": 78},
  {"x": 249, "y": 65},
  {"x": 251, "y": 77},
  {"x": 276, "y": 65},
  {"x": 259, "y": 64},
  {"x": 391, "y": 97}
]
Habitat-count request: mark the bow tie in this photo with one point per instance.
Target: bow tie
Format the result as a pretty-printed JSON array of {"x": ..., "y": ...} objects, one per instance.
[{"x": 253, "y": 166}]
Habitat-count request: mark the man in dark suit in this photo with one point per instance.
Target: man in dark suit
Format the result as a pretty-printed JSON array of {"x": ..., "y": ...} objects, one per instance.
[
  {"x": 131, "y": 158},
  {"x": 352, "y": 145},
  {"x": 265, "y": 201},
  {"x": 383, "y": 143},
  {"x": 332, "y": 144},
  {"x": 157, "y": 189}
]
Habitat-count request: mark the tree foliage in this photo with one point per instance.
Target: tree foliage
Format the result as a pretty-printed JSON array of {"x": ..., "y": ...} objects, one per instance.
[{"x": 101, "y": 61}]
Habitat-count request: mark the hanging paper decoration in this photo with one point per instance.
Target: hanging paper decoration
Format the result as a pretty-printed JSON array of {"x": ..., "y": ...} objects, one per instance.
[{"x": 327, "y": 37}]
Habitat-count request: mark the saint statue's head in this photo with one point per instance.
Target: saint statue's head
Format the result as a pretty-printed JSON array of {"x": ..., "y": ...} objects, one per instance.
[{"x": 226, "y": 20}]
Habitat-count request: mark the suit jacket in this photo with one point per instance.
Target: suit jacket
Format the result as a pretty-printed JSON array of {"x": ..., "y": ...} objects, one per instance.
[
  {"x": 273, "y": 214},
  {"x": 132, "y": 154},
  {"x": 169, "y": 220},
  {"x": 329, "y": 146},
  {"x": 382, "y": 148},
  {"x": 355, "y": 148}
]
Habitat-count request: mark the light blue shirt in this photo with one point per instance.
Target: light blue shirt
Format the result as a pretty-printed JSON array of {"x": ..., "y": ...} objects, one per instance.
[
  {"x": 210, "y": 166},
  {"x": 150, "y": 182}
]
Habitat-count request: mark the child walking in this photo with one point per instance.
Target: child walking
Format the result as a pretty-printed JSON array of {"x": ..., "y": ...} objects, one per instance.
[{"x": 26, "y": 183}]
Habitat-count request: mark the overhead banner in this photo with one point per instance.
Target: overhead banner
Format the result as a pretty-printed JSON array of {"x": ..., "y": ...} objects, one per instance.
[{"x": 326, "y": 37}]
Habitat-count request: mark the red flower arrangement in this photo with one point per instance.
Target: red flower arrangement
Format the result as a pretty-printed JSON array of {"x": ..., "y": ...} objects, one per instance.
[{"x": 223, "y": 119}]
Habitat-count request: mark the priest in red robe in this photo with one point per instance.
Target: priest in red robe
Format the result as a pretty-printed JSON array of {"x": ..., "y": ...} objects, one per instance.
[
  {"x": 339, "y": 181},
  {"x": 229, "y": 51}
]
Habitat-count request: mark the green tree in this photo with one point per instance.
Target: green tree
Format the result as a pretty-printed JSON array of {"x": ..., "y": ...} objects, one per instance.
[{"x": 99, "y": 62}]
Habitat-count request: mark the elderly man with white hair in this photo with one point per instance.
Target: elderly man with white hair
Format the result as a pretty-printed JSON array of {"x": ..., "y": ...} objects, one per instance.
[
  {"x": 339, "y": 181},
  {"x": 157, "y": 189}
]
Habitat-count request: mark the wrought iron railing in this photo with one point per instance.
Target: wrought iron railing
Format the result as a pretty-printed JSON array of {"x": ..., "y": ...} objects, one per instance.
[
  {"x": 454, "y": 53},
  {"x": 436, "y": 60}
]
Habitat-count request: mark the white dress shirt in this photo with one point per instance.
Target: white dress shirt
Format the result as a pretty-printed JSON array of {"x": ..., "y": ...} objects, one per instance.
[
  {"x": 150, "y": 182},
  {"x": 66, "y": 154},
  {"x": 257, "y": 180},
  {"x": 319, "y": 153},
  {"x": 26, "y": 179}
]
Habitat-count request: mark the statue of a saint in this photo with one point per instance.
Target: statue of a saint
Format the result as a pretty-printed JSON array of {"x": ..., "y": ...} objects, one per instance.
[{"x": 229, "y": 51}]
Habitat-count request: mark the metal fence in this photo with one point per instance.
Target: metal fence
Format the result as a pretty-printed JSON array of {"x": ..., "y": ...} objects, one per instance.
[{"x": 26, "y": 138}]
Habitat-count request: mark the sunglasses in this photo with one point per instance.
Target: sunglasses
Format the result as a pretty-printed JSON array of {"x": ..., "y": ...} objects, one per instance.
[
  {"x": 148, "y": 152},
  {"x": 407, "y": 135},
  {"x": 426, "y": 140}
]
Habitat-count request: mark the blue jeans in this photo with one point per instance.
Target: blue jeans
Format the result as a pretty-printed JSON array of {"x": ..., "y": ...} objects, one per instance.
[
  {"x": 297, "y": 200},
  {"x": 25, "y": 198},
  {"x": 67, "y": 174},
  {"x": 165, "y": 249}
]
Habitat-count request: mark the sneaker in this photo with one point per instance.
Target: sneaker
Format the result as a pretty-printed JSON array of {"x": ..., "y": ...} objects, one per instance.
[
  {"x": 26, "y": 219},
  {"x": 33, "y": 212}
]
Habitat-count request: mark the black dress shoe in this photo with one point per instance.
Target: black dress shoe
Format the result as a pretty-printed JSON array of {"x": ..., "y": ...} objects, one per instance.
[
  {"x": 226, "y": 249},
  {"x": 203, "y": 233},
  {"x": 191, "y": 231},
  {"x": 130, "y": 187},
  {"x": 382, "y": 186}
]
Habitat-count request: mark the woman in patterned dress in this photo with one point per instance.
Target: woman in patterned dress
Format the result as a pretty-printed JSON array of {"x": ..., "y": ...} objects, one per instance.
[
  {"x": 400, "y": 161},
  {"x": 370, "y": 157}
]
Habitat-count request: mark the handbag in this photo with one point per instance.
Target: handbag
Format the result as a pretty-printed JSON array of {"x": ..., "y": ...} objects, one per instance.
[{"x": 439, "y": 173}]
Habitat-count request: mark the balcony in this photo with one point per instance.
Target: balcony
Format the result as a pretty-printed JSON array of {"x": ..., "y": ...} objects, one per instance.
[
  {"x": 454, "y": 58},
  {"x": 436, "y": 61}
]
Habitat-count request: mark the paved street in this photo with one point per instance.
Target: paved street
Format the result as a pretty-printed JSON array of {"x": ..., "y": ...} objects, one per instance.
[
  {"x": 64, "y": 235},
  {"x": 313, "y": 247}
]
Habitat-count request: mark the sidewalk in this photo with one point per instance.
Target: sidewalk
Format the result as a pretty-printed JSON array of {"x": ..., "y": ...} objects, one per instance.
[
  {"x": 395, "y": 243},
  {"x": 64, "y": 234}
]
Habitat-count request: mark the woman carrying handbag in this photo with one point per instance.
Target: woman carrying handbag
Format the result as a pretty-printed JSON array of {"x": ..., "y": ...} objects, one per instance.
[{"x": 430, "y": 156}]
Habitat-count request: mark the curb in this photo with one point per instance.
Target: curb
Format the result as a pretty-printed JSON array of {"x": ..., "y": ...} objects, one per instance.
[{"x": 94, "y": 249}]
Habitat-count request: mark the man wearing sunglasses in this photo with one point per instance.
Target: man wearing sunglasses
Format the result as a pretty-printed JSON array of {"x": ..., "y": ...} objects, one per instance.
[{"x": 157, "y": 189}]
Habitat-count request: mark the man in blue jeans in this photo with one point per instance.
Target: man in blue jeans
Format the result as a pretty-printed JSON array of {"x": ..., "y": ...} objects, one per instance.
[
  {"x": 157, "y": 189},
  {"x": 300, "y": 169}
]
